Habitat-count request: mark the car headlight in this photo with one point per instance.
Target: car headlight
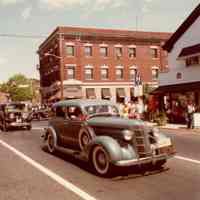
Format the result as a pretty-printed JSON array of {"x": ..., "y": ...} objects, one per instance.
[
  {"x": 12, "y": 116},
  {"x": 25, "y": 115},
  {"x": 128, "y": 135}
]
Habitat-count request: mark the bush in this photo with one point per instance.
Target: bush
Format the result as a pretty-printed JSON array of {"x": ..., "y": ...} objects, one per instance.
[{"x": 161, "y": 119}]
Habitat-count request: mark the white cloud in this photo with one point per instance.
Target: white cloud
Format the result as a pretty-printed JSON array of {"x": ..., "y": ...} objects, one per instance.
[
  {"x": 63, "y": 3},
  {"x": 10, "y": 2},
  {"x": 26, "y": 13},
  {"x": 2, "y": 60},
  {"x": 91, "y": 4}
]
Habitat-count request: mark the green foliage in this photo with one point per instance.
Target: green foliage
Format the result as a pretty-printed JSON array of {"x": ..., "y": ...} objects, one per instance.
[
  {"x": 19, "y": 87},
  {"x": 161, "y": 118}
]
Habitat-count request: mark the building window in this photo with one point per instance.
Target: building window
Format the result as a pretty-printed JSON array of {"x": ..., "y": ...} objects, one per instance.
[
  {"x": 132, "y": 74},
  {"x": 155, "y": 74},
  {"x": 119, "y": 73},
  {"x": 154, "y": 52},
  {"x": 70, "y": 72},
  {"x": 89, "y": 73},
  {"x": 104, "y": 74},
  {"x": 118, "y": 52},
  {"x": 192, "y": 61},
  {"x": 104, "y": 51},
  {"x": 70, "y": 50},
  {"x": 132, "y": 52},
  {"x": 178, "y": 75},
  {"x": 88, "y": 51}
]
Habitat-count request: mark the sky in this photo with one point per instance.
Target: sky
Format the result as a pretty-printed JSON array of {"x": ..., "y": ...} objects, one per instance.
[{"x": 41, "y": 17}]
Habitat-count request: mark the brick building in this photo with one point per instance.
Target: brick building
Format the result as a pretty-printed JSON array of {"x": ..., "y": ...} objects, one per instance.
[{"x": 99, "y": 63}]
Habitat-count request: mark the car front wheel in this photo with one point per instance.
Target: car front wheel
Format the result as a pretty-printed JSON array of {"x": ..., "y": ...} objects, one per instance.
[
  {"x": 100, "y": 161},
  {"x": 51, "y": 143}
]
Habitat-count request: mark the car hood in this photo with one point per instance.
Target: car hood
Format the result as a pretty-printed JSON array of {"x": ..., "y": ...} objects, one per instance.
[{"x": 115, "y": 122}]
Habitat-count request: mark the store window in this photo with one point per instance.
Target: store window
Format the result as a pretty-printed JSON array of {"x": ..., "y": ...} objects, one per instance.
[
  {"x": 132, "y": 74},
  {"x": 70, "y": 50},
  {"x": 119, "y": 73},
  {"x": 104, "y": 51},
  {"x": 154, "y": 52},
  {"x": 89, "y": 73},
  {"x": 104, "y": 74},
  {"x": 155, "y": 73},
  {"x": 118, "y": 52},
  {"x": 192, "y": 61},
  {"x": 132, "y": 52},
  {"x": 70, "y": 72},
  {"x": 88, "y": 50}
]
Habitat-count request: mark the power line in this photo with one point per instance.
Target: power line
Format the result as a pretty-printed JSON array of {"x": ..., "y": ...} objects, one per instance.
[{"x": 23, "y": 36}]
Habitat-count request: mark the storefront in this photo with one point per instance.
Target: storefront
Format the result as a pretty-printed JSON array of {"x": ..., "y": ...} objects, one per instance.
[{"x": 173, "y": 99}]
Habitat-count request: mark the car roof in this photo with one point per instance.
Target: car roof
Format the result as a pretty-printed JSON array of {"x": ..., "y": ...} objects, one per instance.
[{"x": 82, "y": 102}]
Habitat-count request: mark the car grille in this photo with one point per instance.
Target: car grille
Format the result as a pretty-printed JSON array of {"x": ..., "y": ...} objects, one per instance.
[{"x": 142, "y": 144}]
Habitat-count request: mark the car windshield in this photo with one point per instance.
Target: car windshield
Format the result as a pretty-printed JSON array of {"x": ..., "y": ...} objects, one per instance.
[
  {"x": 14, "y": 107},
  {"x": 102, "y": 110}
]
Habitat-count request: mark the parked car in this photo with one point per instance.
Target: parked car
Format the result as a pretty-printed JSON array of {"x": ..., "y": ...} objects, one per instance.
[
  {"x": 94, "y": 131},
  {"x": 14, "y": 115},
  {"x": 40, "y": 114}
]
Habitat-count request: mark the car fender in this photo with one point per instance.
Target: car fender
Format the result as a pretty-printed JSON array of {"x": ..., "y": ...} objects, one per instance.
[
  {"x": 50, "y": 129},
  {"x": 111, "y": 146}
]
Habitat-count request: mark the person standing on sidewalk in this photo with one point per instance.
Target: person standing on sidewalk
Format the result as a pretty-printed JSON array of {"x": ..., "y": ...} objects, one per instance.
[{"x": 190, "y": 112}]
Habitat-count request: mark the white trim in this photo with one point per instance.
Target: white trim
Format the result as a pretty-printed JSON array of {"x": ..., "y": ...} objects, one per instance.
[
  {"x": 70, "y": 65},
  {"x": 88, "y": 67},
  {"x": 132, "y": 46},
  {"x": 103, "y": 45},
  {"x": 118, "y": 45},
  {"x": 119, "y": 67},
  {"x": 70, "y": 43},
  {"x": 88, "y": 45},
  {"x": 104, "y": 67},
  {"x": 154, "y": 67},
  {"x": 154, "y": 47},
  {"x": 133, "y": 67}
]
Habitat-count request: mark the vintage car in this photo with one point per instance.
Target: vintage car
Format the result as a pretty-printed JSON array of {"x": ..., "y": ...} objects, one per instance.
[
  {"x": 93, "y": 130},
  {"x": 14, "y": 115}
]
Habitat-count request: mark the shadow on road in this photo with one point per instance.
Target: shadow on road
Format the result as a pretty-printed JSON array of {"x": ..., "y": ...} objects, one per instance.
[{"x": 118, "y": 173}]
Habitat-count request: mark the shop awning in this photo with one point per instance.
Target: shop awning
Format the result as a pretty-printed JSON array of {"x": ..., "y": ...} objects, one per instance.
[
  {"x": 121, "y": 92},
  {"x": 184, "y": 87},
  {"x": 90, "y": 93},
  {"x": 106, "y": 93},
  {"x": 190, "y": 51},
  {"x": 68, "y": 93}
]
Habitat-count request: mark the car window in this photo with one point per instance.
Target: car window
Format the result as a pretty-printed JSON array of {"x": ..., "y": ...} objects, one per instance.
[
  {"x": 98, "y": 109},
  {"x": 74, "y": 112},
  {"x": 60, "y": 112}
]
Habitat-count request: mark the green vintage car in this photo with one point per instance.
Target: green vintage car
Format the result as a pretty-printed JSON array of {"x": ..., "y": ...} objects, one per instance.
[{"x": 93, "y": 130}]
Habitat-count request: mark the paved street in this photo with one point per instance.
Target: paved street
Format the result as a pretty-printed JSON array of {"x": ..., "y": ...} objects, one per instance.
[{"x": 25, "y": 174}]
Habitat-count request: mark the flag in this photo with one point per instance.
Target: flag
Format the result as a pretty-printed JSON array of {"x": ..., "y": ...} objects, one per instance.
[{"x": 138, "y": 80}]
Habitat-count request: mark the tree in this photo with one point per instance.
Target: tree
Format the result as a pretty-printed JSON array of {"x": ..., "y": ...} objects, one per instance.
[{"x": 19, "y": 87}]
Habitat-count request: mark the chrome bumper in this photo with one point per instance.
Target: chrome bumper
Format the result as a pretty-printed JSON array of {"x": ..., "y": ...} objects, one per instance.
[
  {"x": 19, "y": 124},
  {"x": 151, "y": 159}
]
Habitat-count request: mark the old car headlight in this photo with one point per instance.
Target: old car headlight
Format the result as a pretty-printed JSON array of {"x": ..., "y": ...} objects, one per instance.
[
  {"x": 128, "y": 135},
  {"x": 25, "y": 115},
  {"x": 12, "y": 116}
]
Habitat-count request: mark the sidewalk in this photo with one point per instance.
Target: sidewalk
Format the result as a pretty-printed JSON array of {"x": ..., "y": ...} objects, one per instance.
[{"x": 183, "y": 128}]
